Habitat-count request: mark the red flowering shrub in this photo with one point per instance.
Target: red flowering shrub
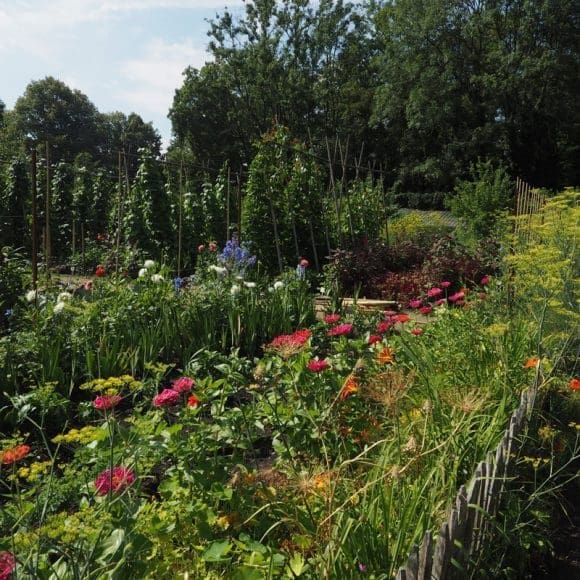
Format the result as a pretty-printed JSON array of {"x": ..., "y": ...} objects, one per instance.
[{"x": 114, "y": 481}]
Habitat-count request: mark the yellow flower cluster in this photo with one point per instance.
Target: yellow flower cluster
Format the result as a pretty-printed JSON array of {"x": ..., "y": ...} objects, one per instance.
[
  {"x": 83, "y": 436},
  {"x": 35, "y": 470},
  {"x": 112, "y": 385}
]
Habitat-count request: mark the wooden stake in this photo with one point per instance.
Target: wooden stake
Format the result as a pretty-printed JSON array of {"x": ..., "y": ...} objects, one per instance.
[
  {"x": 47, "y": 217},
  {"x": 180, "y": 219},
  {"x": 34, "y": 224}
]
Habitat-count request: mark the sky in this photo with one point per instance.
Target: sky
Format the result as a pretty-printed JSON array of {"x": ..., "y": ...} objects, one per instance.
[{"x": 124, "y": 55}]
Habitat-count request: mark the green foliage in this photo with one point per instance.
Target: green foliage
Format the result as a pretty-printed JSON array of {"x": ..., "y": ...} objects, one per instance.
[{"x": 482, "y": 202}]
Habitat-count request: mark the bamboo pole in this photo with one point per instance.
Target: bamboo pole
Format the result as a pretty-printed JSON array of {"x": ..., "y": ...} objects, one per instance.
[
  {"x": 119, "y": 216},
  {"x": 34, "y": 224},
  {"x": 47, "y": 239},
  {"x": 180, "y": 219}
]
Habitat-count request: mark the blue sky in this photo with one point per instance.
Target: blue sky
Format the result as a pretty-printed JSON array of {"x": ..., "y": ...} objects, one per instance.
[{"x": 125, "y": 55}]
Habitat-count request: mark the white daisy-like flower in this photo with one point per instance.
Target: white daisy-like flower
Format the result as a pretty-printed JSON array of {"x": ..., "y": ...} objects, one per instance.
[
  {"x": 279, "y": 284},
  {"x": 59, "y": 307},
  {"x": 31, "y": 296},
  {"x": 64, "y": 296},
  {"x": 250, "y": 284},
  {"x": 235, "y": 289},
  {"x": 218, "y": 269},
  {"x": 142, "y": 272},
  {"x": 156, "y": 278},
  {"x": 149, "y": 264}
]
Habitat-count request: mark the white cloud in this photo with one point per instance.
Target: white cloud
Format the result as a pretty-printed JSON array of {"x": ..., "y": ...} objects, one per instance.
[{"x": 154, "y": 77}]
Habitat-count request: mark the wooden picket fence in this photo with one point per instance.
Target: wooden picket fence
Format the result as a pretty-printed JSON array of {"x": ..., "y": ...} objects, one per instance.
[
  {"x": 529, "y": 201},
  {"x": 468, "y": 525}
]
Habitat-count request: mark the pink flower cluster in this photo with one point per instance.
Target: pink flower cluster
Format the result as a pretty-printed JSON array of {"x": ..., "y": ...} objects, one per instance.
[
  {"x": 340, "y": 330},
  {"x": 106, "y": 402},
  {"x": 317, "y": 366},
  {"x": 115, "y": 480},
  {"x": 7, "y": 565},
  {"x": 332, "y": 318},
  {"x": 183, "y": 385},
  {"x": 298, "y": 338},
  {"x": 166, "y": 398}
]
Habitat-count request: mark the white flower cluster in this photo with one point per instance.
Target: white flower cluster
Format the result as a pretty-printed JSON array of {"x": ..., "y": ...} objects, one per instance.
[{"x": 144, "y": 271}]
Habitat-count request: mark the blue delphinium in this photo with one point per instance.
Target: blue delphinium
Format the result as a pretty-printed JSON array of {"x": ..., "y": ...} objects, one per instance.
[{"x": 237, "y": 259}]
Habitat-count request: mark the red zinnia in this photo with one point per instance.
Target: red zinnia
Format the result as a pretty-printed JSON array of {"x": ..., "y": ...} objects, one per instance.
[
  {"x": 116, "y": 481},
  {"x": 103, "y": 402},
  {"x": 417, "y": 331},
  {"x": 484, "y": 281},
  {"x": 166, "y": 398},
  {"x": 340, "y": 330},
  {"x": 7, "y": 565},
  {"x": 457, "y": 297},
  {"x": 402, "y": 318},
  {"x": 575, "y": 384},
  {"x": 100, "y": 271},
  {"x": 193, "y": 401},
  {"x": 183, "y": 385},
  {"x": 434, "y": 292},
  {"x": 332, "y": 318},
  {"x": 426, "y": 310},
  {"x": 384, "y": 326},
  {"x": 374, "y": 338},
  {"x": 9, "y": 456},
  {"x": 317, "y": 366}
]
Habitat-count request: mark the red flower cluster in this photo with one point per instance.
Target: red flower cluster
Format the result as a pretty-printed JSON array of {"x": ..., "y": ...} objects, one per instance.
[
  {"x": 384, "y": 326},
  {"x": 166, "y": 398},
  {"x": 105, "y": 402},
  {"x": 193, "y": 401},
  {"x": 7, "y": 565},
  {"x": 317, "y": 366},
  {"x": 114, "y": 481},
  {"x": 340, "y": 330},
  {"x": 14, "y": 454},
  {"x": 426, "y": 310},
  {"x": 374, "y": 338},
  {"x": 434, "y": 292},
  {"x": 415, "y": 303},
  {"x": 100, "y": 271},
  {"x": 298, "y": 338},
  {"x": 183, "y": 385},
  {"x": 575, "y": 384},
  {"x": 417, "y": 331},
  {"x": 332, "y": 318}
]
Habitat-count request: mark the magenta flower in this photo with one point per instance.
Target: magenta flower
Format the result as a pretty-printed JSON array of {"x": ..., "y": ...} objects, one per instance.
[
  {"x": 484, "y": 281},
  {"x": 434, "y": 292},
  {"x": 417, "y": 331},
  {"x": 415, "y": 303},
  {"x": 114, "y": 481},
  {"x": 384, "y": 326},
  {"x": 440, "y": 301},
  {"x": 166, "y": 398},
  {"x": 7, "y": 565},
  {"x": 183, "y": 385},
  {"x": 445, "y": 284},
  {"x": 332, "y": 318},
  {"x": 105, "y": 402},
  {"x": 317, "y": 366},
  {"x": 426, "y": 310},
  {"x": 340, "y": 330},
  {"x": 457, "y": 297}
]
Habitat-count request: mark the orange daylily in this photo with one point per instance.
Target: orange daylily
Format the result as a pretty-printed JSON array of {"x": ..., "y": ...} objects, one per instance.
[
  {"x": 532, "y": 362},
  {"x": 386, "y": 356},
  {"x": 575, "y": 384},
  {"x": 349, "y": 387}
]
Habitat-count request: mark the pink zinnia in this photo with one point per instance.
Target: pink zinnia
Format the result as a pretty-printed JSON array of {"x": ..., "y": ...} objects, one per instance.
[
  {"x": 426, "y": 310},
  {"x": 340, "y": 330},
  {"x": 417, "y": 331},
  {"x": 332, "y": 318},
  {"x": 212, "y": 247},
  {"x": 116, "y": 481},
  {"x": 440, "y": 301},
  {"x": 304, "y": 263},
  {"x": 317, "y": 366},
  {"x": 484, "y": 281},
  {"x": 391, "y": 313},
  {"x": 384, "y": 326},
  {"x": 104, "y": 402},
  {"x": 183, "y": 385},
  {"x": 415, "y": 303},
  {"x": 445, "y": 284},
  {"x": 457, "y": 297},
  {"x": 297, "y": 339},
  {"x": 434, "y": 292},
  {"x": 7, "y": 565},
  {"x": 374, "y": 338},
  {"x": 166, "y": 398},
  {"x": 200, "y": 248}
]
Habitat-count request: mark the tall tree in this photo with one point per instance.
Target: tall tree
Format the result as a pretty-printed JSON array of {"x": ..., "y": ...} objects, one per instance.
[{"x": 50, "y": 111}]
